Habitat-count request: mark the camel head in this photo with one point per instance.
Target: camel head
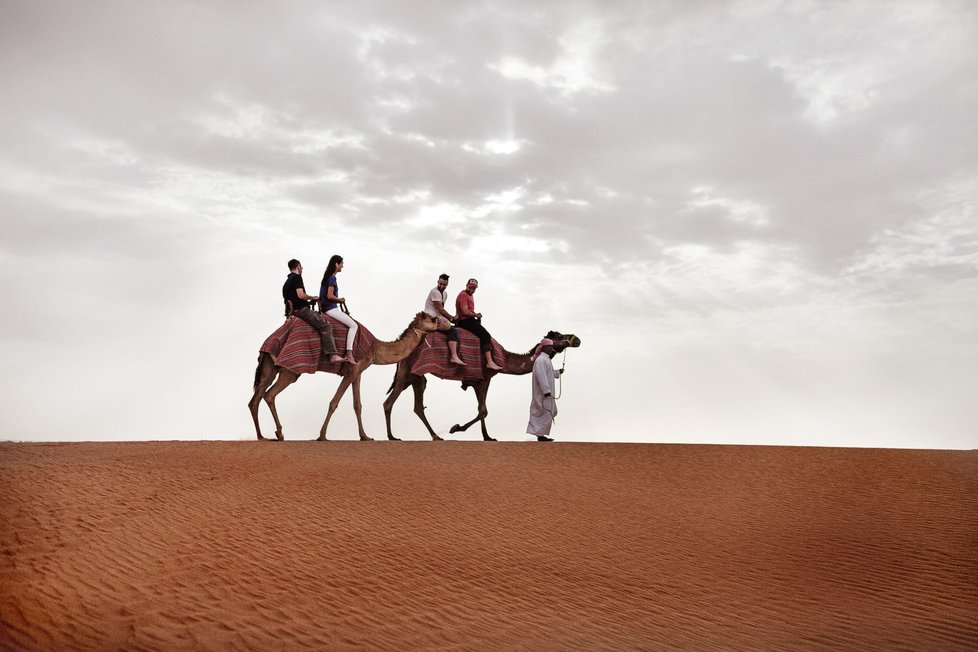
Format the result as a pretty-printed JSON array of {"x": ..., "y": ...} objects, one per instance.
[
  {"x": 563, "y": 341},
  {"x": 424, "y": 322}
]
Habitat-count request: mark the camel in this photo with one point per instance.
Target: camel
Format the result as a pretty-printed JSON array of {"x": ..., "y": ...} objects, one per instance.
[
  {"x": 513, "y": 363},
  {"x": 379, "y": 352}
]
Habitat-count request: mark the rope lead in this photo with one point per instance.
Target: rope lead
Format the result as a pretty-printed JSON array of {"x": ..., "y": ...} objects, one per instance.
[{"x": 560, "y": 377}]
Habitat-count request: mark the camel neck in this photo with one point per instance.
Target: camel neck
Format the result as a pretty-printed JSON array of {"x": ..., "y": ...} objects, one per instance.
[
  {"x": 394, "y": 352},
  {"x": 517, "y": 363}
]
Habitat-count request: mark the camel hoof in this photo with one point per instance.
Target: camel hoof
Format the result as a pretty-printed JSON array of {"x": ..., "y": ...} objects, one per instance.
[
  {"x": 488, "y": 438},
  {"x": 392, "y": 438},
  {"x": 279, "y": 436},
  {"x": 366, "y": 438},
  {"x": 454, "y": 428},
  {"x": 436, "y": 438},
  {"x": 321, "y": 438}
]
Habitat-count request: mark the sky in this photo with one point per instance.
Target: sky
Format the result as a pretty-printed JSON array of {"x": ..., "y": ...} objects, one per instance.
[{"x": 760, "y": 217}]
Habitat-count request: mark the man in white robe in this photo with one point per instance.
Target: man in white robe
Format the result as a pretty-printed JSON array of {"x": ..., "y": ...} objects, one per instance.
[{"x": 543, "y": 406}]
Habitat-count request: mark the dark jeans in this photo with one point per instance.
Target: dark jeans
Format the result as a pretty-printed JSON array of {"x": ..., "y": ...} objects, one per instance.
[
  {"x": 451, "y": 333},
  {"x": 473, "y": 325},
  {"x": 317, "y": 321}
]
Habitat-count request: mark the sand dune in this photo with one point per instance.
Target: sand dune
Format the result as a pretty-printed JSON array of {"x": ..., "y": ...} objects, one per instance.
[{"x": 422, "y": 545}]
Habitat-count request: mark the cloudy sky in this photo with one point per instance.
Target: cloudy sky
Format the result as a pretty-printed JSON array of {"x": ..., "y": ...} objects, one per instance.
[{"x": 761, "y": 217}]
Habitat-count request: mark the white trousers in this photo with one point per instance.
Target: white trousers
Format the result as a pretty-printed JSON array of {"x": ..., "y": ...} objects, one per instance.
[{"x": 347, "y": 321}]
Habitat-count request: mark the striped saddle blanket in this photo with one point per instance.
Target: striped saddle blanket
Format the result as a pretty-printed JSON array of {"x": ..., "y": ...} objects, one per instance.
[
  {"x": 432, "y": 357},
  {"x": 296, "y": 346}
]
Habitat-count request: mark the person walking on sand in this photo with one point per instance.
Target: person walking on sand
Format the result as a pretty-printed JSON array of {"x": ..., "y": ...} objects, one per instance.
[
  {"x": 297, "y": 304},
  {"x": 329, "y": 303},
  {"x": 543, "y": 406},
  {"x": 471, "y": 321},
  {"x": 434, "y": 305}
]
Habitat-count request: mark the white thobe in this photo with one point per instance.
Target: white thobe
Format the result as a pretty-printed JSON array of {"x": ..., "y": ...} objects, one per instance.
[{"x": 543, "y": 409}]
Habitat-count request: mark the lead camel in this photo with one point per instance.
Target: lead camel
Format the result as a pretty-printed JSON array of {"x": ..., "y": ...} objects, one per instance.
[{"x": 513, "y": 364}]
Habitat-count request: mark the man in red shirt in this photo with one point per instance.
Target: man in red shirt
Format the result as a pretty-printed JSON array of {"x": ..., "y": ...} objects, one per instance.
[{"x": 471, "y": 321}]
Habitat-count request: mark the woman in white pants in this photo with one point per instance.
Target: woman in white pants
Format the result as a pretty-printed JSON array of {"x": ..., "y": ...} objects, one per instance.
[{"x": 329, "y": 303}]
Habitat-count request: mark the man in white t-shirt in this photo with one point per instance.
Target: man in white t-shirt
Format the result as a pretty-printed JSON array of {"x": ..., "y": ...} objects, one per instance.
[{"x": 435, "y": 306}]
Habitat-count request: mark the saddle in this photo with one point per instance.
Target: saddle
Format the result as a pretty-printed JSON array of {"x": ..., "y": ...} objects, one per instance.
[
  {"x": 295, "y": 346},
  {"x": 432, "y": 357}
]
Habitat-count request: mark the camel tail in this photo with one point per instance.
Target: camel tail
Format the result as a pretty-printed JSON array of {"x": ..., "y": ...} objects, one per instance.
[{"x": 258, "y": 372}]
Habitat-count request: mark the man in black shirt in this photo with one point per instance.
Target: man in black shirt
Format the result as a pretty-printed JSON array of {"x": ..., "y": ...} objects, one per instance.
[{"x": 297, "y": 304}]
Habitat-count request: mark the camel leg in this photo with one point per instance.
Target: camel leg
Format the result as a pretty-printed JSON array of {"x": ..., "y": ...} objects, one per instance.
[
  {"x": 285, "y": 378},
  {"x": 358, "y": 407},
  {"x": 463, "y": 427},
  {"x": 334, "y": 402},
  {"x": 353, "y": 377},
  {"x": 481, "y": 390},
  {"x": 419, "y": 383},
  {"x": 398, "y": 386},
  {"x": 264, "y": 376}
]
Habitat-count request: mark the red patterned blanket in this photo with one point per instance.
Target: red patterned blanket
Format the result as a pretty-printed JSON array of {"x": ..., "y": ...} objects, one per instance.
[
  {"x": 295, "y": 346},
  {"x": 433, "y": 359}
]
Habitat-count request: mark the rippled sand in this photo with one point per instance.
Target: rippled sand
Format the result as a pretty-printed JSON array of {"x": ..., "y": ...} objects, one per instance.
[{"x": 425, "y": 545}]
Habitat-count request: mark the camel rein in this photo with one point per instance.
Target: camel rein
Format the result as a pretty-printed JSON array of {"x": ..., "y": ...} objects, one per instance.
[
  {"x": 560, "y": 378},
  {"x": 423, "y": 338}
]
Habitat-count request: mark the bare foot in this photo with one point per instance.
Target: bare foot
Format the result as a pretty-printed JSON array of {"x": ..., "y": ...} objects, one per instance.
[
  {"x": 493, "y": 366},
  {"x": 457, "y": 361},
  {"x": 349, "y": 358},
  {"x": 336, "y": 358}
]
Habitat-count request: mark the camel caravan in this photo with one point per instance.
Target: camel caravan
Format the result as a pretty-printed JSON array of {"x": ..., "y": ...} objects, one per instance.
[{"x": 320, "y": 335}]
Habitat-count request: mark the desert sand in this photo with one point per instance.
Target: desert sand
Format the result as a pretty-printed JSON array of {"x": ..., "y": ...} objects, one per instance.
[{"x": 487, "y": 546}]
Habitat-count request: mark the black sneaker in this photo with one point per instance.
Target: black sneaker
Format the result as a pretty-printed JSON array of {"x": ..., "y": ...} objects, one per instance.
[{"x": 542, "y": 438}]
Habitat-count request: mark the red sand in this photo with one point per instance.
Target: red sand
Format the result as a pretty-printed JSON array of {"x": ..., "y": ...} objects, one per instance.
[{"x": 422, "y": 545}]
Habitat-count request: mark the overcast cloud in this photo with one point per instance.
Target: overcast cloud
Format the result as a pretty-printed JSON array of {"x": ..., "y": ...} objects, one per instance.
[{"x": 759, "y": 216}]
